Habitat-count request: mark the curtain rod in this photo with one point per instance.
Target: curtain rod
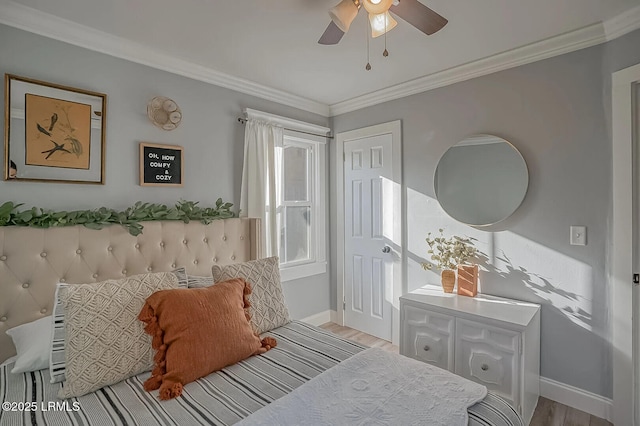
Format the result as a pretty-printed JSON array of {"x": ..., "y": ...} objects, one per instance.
[{"x": 242, "y": 120}]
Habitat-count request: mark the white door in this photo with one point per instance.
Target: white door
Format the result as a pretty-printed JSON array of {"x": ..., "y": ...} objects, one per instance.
[
  {"x": 371, "y": 256},
  {"x": 636, "y": 288},
  {"x": 625, "y": 256}
]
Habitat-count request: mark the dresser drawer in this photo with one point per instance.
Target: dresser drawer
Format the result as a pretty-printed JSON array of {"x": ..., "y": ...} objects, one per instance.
[
  {"x": 490, "y": 356},
  {"x": 428, "y": 336}
]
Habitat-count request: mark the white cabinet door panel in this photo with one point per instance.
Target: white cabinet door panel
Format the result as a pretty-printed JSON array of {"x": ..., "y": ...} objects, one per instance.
[
  {"x": 490, "y": 356},
  {"x": 428, "y": 337}
]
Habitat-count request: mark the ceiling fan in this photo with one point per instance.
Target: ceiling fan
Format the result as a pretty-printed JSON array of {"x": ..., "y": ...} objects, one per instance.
[{"x": 412, "y": 11}]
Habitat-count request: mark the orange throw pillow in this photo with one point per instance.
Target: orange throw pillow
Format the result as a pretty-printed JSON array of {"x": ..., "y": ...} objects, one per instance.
[{"x": 198, "y": 331}]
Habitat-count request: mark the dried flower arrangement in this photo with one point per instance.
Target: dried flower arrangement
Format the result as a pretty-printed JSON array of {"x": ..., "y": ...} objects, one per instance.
[{"x": 448, "y": 253}]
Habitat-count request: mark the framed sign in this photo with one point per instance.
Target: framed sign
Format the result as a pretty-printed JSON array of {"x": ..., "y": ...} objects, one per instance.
[
  {"x": 53, "y": 133},
  {"x": 161, "y": 165}
]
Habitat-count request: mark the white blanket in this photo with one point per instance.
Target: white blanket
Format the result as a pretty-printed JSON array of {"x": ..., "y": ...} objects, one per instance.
[{"x": 376, "y": 387}]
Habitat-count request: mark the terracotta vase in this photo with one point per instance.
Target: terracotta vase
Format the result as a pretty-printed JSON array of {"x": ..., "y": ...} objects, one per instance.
[
  {"x": 468, "y": 280},
  {"x": 448, "y": 278}
]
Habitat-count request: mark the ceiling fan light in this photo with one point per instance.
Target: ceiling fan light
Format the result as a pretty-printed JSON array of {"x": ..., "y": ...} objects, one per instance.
[
  {"x": 377, "y": 7},
  {"x": 343, "y": 14},
  {"x": 381, "y": 23}
]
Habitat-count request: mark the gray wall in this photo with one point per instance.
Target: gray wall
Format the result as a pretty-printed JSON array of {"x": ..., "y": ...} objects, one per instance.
[
  {"x": 556, "y": 112},
  {"x": 211, "y": 137}
]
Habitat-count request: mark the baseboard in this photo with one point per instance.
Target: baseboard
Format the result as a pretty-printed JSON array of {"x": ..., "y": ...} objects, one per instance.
[
  {"x": 318, "y": 319},
  {"x": 582, "y": 400},
  {"x": 334, "y": 317}
]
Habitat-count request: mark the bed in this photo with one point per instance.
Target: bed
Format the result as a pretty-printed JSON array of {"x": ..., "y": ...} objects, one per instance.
[{"x": 33, "y": 261}]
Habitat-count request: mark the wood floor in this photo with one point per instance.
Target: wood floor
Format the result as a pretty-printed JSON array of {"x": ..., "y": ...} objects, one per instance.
[
  {"x": 360, "y": 337},
  {"x": 548, "y": 413}
]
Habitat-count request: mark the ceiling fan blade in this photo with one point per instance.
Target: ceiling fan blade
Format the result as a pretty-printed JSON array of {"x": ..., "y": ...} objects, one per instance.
[
  {"x": 332, "y": 35},
  {"x": 420, "y": 16}
]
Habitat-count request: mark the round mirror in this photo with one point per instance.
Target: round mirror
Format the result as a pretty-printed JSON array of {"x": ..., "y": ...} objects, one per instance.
[{"x": 481, "y": 180}]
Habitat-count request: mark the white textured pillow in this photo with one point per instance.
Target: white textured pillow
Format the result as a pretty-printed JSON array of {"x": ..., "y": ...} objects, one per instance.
[
  {"x": 105, "y": 342},
  {"x": 57, "y": 355},
  {"x": 32, "y": 345},
  {"x": 268, "y": 309}
]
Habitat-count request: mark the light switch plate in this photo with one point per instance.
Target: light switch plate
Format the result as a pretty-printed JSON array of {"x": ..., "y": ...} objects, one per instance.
[{"x": 578, "y": 236}]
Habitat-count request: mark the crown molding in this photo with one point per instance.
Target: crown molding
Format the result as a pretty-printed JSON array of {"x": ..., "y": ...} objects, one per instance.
[
  {"x": 45, "y": 24},
  {"x": 554, "y": 46},
  {"x": 622, "y": 24},
  {"x": 38, "y": 22},
  {"x": 575, "y": 40}
]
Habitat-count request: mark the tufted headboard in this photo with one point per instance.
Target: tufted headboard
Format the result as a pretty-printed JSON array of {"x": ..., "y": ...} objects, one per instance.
[{"x": 33, "y": 261}]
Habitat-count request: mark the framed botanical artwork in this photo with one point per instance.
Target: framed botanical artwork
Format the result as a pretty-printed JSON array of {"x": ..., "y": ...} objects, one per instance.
[{"x": 53, "y": 133}]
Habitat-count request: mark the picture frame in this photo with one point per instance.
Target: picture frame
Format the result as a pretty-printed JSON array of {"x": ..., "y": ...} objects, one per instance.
[
  {"x": 161, "y": 165},
  {"x": 53, "y": 133}
]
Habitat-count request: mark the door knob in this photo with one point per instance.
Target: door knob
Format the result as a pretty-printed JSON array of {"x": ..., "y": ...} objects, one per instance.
[{"x": 386, "y": 249}]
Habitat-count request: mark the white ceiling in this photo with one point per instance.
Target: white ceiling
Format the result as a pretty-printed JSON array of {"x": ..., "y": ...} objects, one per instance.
[{"x": 274, "y": 43}]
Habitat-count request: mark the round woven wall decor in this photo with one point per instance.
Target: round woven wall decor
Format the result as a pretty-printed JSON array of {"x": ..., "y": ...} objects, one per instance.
[{"x": 164, "y": 113}]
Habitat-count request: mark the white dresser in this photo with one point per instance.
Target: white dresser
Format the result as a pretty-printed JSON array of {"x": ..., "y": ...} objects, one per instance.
[{"x": 490, "y": 340}]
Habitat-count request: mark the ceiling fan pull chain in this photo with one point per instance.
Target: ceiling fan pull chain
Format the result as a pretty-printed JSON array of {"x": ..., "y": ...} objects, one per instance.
[
  {"x": 386, "y": 52},
  {"x": 368, "y": 67}
]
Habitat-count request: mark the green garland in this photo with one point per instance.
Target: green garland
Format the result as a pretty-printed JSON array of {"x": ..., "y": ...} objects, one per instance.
[{"x": 129, "y": 218}]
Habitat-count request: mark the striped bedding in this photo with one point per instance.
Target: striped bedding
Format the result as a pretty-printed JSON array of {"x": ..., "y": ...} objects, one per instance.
[{"x": 222, "y": 398}]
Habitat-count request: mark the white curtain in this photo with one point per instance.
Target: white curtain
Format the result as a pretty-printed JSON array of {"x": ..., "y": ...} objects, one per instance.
[{"x": 258, "y": 194}]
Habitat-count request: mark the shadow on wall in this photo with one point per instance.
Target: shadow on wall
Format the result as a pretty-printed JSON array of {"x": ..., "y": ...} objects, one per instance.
[
  {"x": 499, "y": 269},
  {"x": 574, "y": 343}
]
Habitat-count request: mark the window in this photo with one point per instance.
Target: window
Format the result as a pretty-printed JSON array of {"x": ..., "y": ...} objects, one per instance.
[{"x": 301, "y": 207}]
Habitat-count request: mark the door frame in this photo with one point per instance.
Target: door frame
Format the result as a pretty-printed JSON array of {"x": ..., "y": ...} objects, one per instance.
[
  {"x": 625, "y": 346},
  {"x": 395, "y": 129}
]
